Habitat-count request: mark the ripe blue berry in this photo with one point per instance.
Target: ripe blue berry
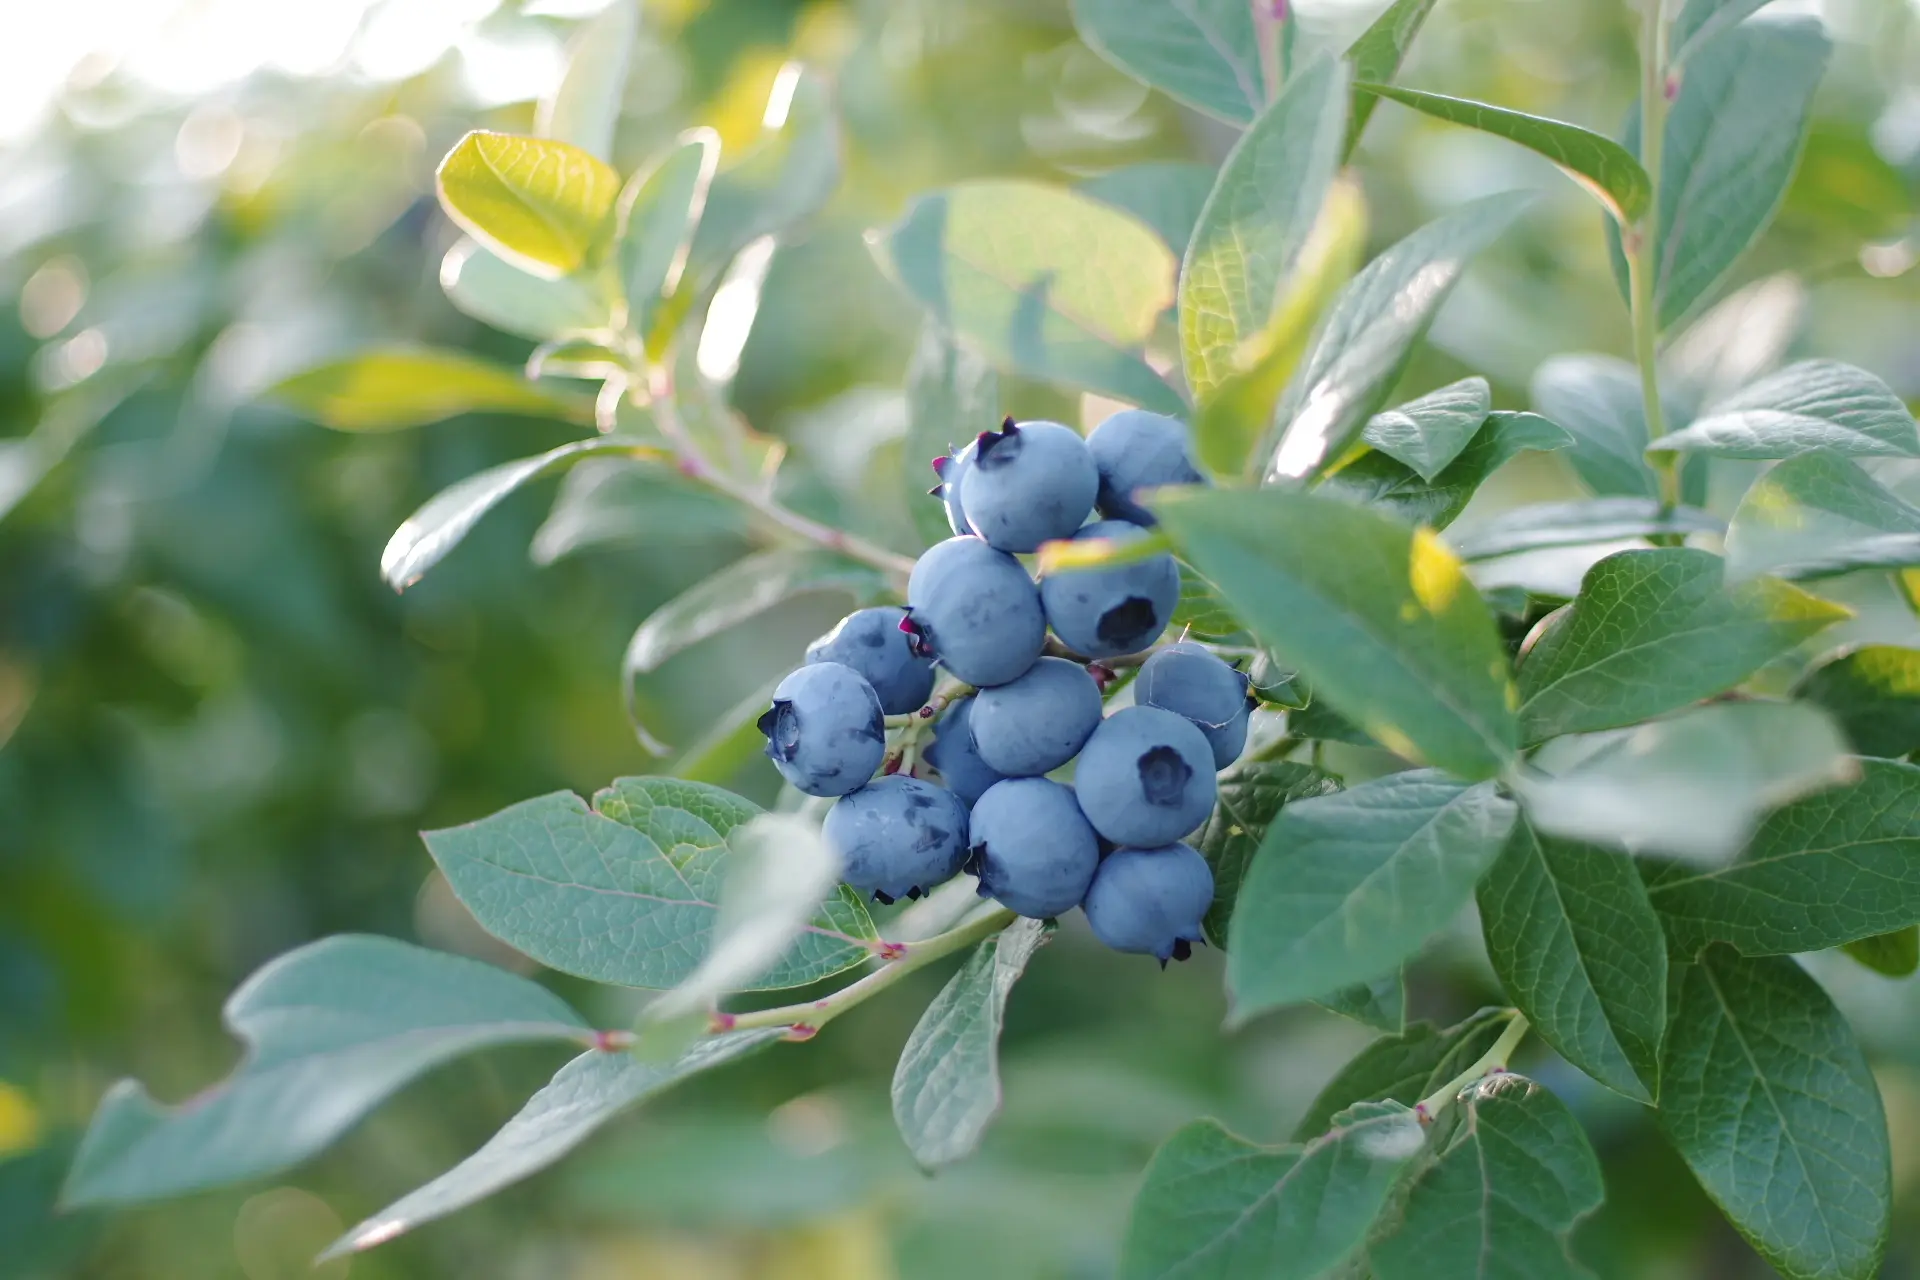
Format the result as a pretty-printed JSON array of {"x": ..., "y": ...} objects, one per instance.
[
  {"x": 825, "y": 732},
  {"x": 1190, "y": 681},
  {"x": 1029, "y": 482},
  {"x": 871, "y": 642},
  {"x": 953, "y": 753},
  {"x": 1145, "y": 777},
  {"x": 1107, "y": 612},
  {"x": 1037, "y": 723},
  {"x": 975, "y": 611},
  {"x": 898, "y": 837},
  {"x": 1150, "y": 901},
  {"x": 1134, "y": 450},
  {"x": 1032, "y": 847},
  {"x": 952, "y": 469}
]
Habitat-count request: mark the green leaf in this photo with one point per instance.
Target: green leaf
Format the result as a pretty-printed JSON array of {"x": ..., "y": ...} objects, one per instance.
[
  {"x": 437, "y": 528},
  {"x": 1819, "y": 515},
  {"x": 1874, "y": 692},
  {"x": 1217, "y": 1207},
  {"x": 1428, "y": 433},
  {"x": 952, "y": 396},
  {"x": 1046, "y": 282},
  {"x": 542, "y": 206},
  {"x": 1701, "y": 20},
  {"x": 1816, "y": 404},
  {"x": 1252, "y": 793},
  {"x": 1364, "y": 341},
  {"x": 786, "y": 178},
  {"x": 1694, "y": 785},
  {"x": 1202, "y": 52},
  {"x": 1167, "y": 195},
  {"x": 1379, "y": 481},
  {"x": 1653, "y": 631},
  {"x": 1598, "y": 399},
  {"x": 1606, "y": 169},
  {"x": 1579, "y": 523},
  {"x": 585, "y": 106},
  {"x": 744, "y": 589},
  {"x": 1767, "y": 1097},
  {"x": 1201, "y": 612},
  {"x": 1346, "y": 887},
  {"x": 331, "y": 1029},
  {"x": 386, "y": 390},
  {"x": 1578, "y": 948},
  {"x": 1376, "y": 57},
  {"x": 1511, "y": 1176},
  {"x": 1404, "y": 1068},
  {"x": 1894, "y": 955},
  {"x": 1257, "y": 222},
  {"x": 1231, "y": 426},
  {"x": 1379, "y": 618},
  {"x": 1821, "y": 872},
  {"x": 1380, "y": 1003},
  {"x": 1733, "y": 137},
  {"x": 946, "y": 1088},
  {"x": 626, "y": 891},
  {"x": 497, "y": 293},
  {"x": 610, "y": 502},
  {"x": 780, "y": 872},
  {"x": 656, "y": 217},
  {"x": 585, "y": 1094},
  {"x": 1739, "y": 339}
]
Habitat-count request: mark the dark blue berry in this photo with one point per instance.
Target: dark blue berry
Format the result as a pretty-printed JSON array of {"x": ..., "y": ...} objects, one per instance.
[
  {"x": 1032, "y": 847},
  {"x": 1037, "y": 723},
  {"x": 871, "y": 642},
  {"x": 1104, "y": 613},
  {"x": 897, "y": 836},
  {"x": 1145, "y": 777},
  {"x": 825, "y": 731},
  {"x": 1030, "y": 482},
  {"x": 1135, "y": 450},
  {"x": 953, "y": 753},
  {"x": 1150, "y": 901},
  {"x": 975, "y": 611},
  {"x": 1189, "y": 680}
]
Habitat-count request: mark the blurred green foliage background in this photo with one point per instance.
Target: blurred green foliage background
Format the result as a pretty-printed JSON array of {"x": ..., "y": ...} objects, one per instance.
[{"x": 219, "y": 733}]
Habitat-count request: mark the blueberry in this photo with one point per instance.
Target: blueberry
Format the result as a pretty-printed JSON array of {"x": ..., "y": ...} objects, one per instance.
[
  {"x": 824, "y": 731},
  {"x": 1032, "y": 847},
  {"x": 898, "y": 837},
  {"x": 1188, "y": 680},
  {"x": 953, "y": 753},
  {"x": 1145, "y": 777},
  {"x": 952, "y": 470},
  {"x": 975, "y": 611},
  {"x": 1150, "y": 900},
  {"x": 1029, "y": 482},
  {"x": 871, "y": 642},
  {"x": 1107, "y": 612},
  {"x": 1135, "y": 449},
  {"x": 1040, "y": 721}
]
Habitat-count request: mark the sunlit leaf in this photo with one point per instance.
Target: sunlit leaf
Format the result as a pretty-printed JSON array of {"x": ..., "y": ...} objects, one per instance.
[
  {"x": 1601, "y": 165},
  {"x": 1874, "y": 692},
  {"x": 657, "y": 214},
  {"x": 1818, "y": 515},
  {"x": 584, "y": 108},
  {"x": 543, "y": 206},
  {"x": 1044, "y": 281},
  {"x": 1203, "y": 52},
  {"x": 387, "y": 390}
]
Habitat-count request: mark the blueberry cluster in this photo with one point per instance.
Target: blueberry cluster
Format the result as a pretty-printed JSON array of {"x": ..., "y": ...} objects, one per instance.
[{"x": 1010, "y": 712}]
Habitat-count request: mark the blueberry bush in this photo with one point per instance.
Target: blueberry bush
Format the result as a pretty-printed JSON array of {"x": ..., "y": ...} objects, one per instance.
[{"x": 1123, "y": 669}]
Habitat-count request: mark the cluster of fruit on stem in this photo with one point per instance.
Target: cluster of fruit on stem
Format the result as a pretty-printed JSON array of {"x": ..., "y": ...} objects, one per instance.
[{"x": 1027, "y": 667}]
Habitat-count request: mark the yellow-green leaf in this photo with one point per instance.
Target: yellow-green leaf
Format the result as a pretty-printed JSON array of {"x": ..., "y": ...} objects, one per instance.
[{"x": 540, "y": 204}]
